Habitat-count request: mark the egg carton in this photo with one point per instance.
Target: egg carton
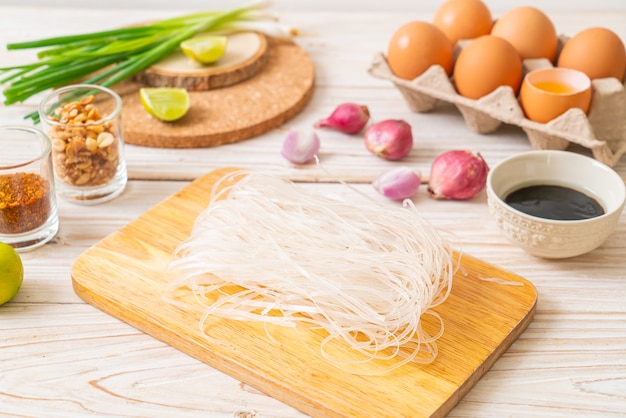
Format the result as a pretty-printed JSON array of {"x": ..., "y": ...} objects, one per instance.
[{"x": 602, "y": 129}]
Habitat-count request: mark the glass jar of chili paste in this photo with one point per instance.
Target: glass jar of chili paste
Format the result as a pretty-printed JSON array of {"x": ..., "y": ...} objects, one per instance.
[{"x": 28, "y": 210}]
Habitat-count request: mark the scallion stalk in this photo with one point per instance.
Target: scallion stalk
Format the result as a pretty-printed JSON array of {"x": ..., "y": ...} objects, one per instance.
[{"x": 108, "y": 57}]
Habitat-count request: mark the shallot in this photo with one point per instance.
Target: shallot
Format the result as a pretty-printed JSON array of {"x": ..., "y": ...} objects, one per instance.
[
  {"x": 398, "y": 183},
  {"x": 300, "y": 148},
  {"x": 348, "y": 118},
  {"x": 390, "y": 139},
  {"x": 458, "y": 175}
]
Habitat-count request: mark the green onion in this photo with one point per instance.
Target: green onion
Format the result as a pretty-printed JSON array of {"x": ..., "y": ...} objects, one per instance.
[{"x": 108, "y": 57}]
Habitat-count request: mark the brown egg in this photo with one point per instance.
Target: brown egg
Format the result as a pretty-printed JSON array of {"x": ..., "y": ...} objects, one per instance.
[
  {"x": 530, "y": 31},
  {"x": 415, "y": 47},
  {"x": 485, "y": 64},
  {"x": 597, "y": 52},
  {"x": 463, "y": 19}
]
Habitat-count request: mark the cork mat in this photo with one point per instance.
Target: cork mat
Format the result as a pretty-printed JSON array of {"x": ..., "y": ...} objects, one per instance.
[{"x": 275, "y": 94}]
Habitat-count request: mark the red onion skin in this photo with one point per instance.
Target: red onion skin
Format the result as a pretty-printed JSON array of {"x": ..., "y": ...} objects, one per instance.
[
  {"x": 458, "y": 175},
  {"x": 398, "y": 183},
  {"x": 299, "y": 147},
  {"x": 390, "y": 139},
  {"x": 349, "y": 118}
]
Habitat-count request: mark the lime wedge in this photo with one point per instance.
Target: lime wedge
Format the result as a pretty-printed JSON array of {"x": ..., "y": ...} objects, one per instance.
[
  {"x": 205, "y": 49},
  {"x": 165, "y": 103}
]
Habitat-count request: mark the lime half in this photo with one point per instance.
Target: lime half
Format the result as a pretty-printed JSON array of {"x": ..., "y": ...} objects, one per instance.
[
  {"x": 165, "y": 103},
  {"x": 11, "y": 272},
  {"x": 205, "y": 49}
]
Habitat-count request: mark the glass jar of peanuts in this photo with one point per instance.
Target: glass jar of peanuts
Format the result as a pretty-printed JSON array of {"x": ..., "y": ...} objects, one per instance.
[{"x": 84, "y": 123}]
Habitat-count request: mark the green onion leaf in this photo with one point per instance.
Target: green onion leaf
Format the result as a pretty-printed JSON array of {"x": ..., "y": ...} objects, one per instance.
[{"x": 108, "y": 57}]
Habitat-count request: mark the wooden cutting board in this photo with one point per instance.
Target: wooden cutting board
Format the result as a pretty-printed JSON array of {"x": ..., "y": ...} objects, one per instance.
[{"x": 123, "y": 276}]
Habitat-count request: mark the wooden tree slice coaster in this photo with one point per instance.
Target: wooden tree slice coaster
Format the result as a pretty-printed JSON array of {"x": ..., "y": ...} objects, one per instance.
[
  {"x": 245, "y": 55},
  {"x": 278, "y": 92}
]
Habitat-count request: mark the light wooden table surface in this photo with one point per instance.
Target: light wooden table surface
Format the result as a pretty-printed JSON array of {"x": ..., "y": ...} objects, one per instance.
[{"x": 61, "y": 357}]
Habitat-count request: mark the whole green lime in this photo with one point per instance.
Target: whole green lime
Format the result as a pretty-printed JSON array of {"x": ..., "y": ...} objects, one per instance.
[{"x": 11, "y": 272}]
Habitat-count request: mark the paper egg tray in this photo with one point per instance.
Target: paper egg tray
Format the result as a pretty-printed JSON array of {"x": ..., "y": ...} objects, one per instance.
[{"x": 602, "y": 129}]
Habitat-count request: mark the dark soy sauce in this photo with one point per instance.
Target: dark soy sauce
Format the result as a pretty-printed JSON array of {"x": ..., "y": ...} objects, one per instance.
[{"x": 554, "y": 202}]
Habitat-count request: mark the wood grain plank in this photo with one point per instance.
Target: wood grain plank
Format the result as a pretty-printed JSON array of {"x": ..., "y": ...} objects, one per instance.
[{"x": 62, "y": 357}]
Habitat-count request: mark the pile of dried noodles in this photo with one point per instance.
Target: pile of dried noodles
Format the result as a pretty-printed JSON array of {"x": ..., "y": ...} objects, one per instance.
[{"x": 266, "y": 250}]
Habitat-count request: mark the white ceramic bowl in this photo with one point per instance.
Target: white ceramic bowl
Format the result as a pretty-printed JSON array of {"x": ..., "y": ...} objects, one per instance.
[{"x": 548, "y": 238}]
